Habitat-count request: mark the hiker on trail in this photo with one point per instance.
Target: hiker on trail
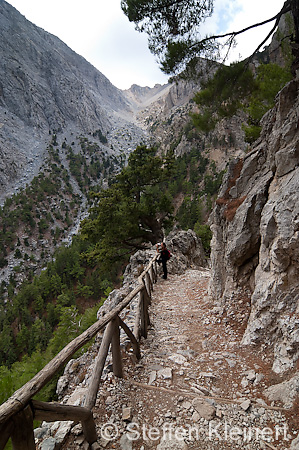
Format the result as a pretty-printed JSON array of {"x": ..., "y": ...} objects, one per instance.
[{"x": 164, "y": 257}]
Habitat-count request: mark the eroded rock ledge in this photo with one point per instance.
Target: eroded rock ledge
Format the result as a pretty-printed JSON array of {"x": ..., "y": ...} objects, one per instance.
[{"x": 255, "y": 224}]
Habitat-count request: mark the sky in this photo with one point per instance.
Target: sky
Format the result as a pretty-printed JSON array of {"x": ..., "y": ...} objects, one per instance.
[{"x": 99, "y": 31}]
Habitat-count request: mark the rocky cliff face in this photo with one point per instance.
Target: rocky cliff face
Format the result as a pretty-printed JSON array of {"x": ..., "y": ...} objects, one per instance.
[
  {"x": 255, "y": 223},
  {"x": 54, "y": 104},
  {"x": 165, "y": 114},
  {"x": 45, "y": 87}
]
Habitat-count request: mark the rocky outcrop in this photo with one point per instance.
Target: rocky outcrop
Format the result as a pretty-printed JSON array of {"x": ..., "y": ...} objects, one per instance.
[
  {"x": 186, "y": 251},
  {"x": 284, "y": 392},
  {"x": 255, "y": 223}
]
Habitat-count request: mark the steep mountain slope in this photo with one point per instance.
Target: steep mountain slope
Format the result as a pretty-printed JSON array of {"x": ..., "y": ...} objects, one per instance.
[
  {"x": 165, "y": 113},
  {"x": 45, "y": 87},
  {"x": 65, "y": 128}
]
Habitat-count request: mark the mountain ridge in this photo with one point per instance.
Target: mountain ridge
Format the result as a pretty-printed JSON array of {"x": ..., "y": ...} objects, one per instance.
[{"x": 44, "y": 91}]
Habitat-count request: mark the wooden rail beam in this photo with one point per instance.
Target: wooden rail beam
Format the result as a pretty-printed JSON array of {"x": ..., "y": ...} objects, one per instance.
[
  {"x": 22, "y": 396},
  {"x": 135, "y": 343},
  {"x": 55, "y": 411}
]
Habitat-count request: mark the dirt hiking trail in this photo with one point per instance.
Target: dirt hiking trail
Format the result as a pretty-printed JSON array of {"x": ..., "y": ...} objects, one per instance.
[{"x": 194, "y": 387}]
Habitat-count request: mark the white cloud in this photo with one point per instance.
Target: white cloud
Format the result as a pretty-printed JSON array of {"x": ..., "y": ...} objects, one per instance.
[
  {"x": 99, "y": 31},
  {"x": 253, "y": 11}
]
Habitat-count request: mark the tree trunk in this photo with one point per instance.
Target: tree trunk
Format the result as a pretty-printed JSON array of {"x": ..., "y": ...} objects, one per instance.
[{"x": 155, "y": 227}]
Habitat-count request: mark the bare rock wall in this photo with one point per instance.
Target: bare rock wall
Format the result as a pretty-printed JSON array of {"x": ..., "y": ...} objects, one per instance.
[{"x": 255, "y": 224}]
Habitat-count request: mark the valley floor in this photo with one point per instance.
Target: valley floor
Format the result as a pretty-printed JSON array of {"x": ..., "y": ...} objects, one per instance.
[{"x": 195, "y": 387}]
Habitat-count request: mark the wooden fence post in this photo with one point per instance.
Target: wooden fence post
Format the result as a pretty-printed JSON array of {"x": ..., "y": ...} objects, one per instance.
[
  {"x": 116, "y": 352},
  {"x": 99, "y": 366},
  {"x": 132, "y": 338},
  {"x": 6, "y": 430},
  {"x": 143, "y": 313},
  {"x": 137, "y": 319},
  {"x": 148, "y": 284},
  {"x": 22, "y": 436},
  {"x": 155, "y": 271},
  {"x": 152, "y": 276},
  {"x": 147, "y": 302}
]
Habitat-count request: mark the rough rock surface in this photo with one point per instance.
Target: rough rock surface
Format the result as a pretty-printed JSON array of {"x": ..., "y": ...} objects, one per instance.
[
  {"x": 255, "y": 224},
  {"x": 194, "y": 386},
  {"x": 39, "y": 92},
  {"x": 284, "y": 392}
]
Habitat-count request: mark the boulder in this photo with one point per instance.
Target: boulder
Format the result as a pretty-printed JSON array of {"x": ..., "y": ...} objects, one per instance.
[{"x": 284, "y": 392}]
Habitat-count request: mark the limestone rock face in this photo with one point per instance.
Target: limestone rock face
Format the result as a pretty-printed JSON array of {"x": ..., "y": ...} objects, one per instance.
[
  {"x": 255, "y": 223},
  {"x": 46, "y": 87},
  {"x": 187, "y": 251}
]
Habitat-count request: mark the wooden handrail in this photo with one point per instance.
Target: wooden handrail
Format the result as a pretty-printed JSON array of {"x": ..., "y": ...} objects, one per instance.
[
  {"x": 147, "y": 269},
  {"x": 22, "y": 398}
]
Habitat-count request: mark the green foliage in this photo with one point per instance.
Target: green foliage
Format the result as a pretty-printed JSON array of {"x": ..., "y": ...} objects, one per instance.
[
  {"x": 71, "y": 325},
  {"x": 101, "y": 136},
  {"x": 222, "y": 95},
  {"x": 37, "y": 308},
  {"x": 252, "y": 133},
  {"x": 29, "y": 208},
  {"x": 204, "y": 232},
  {"x": 204, "y": 122},
  {"x": 174, "y": 31},
  {"x": 235, "y": 87},
  {"x": 131, "y": 211},
  {"x": 172, "y": 27},
  {"x": 212, "y": 183},
  {"x": 161, "y": 19},
  {"x": 199, "y": 180},
  {"x": 269, "y": 80},
  {"x": 189, "y": 212}
]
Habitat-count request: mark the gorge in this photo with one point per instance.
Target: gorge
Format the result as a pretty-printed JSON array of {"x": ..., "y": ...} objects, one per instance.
[{"x": 65, "y": 129}]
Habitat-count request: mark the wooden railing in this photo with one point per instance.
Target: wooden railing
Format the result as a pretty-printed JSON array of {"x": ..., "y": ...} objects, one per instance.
[{"x": 19, "y": 411}]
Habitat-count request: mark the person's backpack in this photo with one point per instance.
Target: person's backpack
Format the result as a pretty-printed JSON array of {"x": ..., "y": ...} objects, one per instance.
[{"x": 168, "y": 255}]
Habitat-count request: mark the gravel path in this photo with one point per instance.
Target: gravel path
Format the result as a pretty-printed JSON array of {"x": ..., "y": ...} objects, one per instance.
[{"x": 194, "y": 387}]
